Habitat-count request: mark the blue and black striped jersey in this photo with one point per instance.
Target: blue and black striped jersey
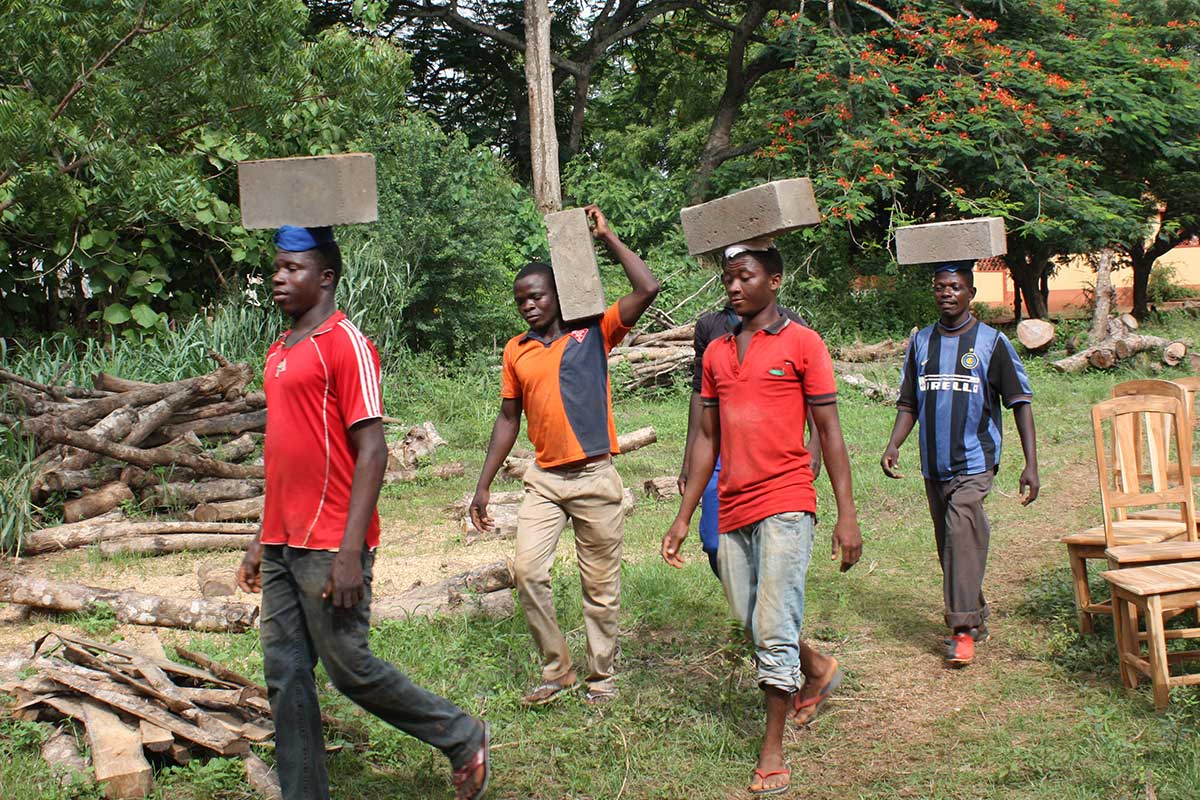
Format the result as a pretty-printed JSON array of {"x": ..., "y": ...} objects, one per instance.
[{"x": 954, "y": 383}]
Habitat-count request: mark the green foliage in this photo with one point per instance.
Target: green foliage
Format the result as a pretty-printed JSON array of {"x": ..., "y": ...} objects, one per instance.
[
  {"x": 1163, "y": 287},
  {"x": 212, "y": 779},
  {"x": 436, "y": 271},
  {"x": 98, "y": 620},
  {"x": 120, "y": 126}
]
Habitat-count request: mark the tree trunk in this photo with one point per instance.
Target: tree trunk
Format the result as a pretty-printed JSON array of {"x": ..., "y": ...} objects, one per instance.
[
  {"x": 129, "y": 606},
  {"x": 104, "y": 499},
  {"x": 1035, "y": 334},
  {"x": 60, "y": 480},
  {"x": 250, "y": 508},
  {"x": 213, "y": 426},
  {"x": 181, "y": 495},
  {"x": 578, "y": 109},
  {"x": 79, "y": 534},
  {"x": 158, "y": 456},
  {"x": 543, "y": 137},
  {"x": 1142, "y": 262},
  {"x": 635, "y": 440},
  {"x": 177, "y": 543},
  {"x": 237, "y": 449},
  {"x": 1103, "y": 299},
  {"x": 663, "y": 488}
]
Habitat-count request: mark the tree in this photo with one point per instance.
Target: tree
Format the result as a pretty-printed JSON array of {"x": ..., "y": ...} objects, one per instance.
[
  {"x": 543, "y": 137},
  {"x": 120, "y": 125},
  {"x": 941, "y": 112}
]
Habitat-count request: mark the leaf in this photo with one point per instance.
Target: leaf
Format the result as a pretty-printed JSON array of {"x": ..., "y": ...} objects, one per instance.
[
  {"x": 116, "y": 314},
  {"x": 144, "y": 315}
]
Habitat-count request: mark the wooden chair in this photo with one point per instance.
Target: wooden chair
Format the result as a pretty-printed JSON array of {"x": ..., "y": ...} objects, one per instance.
[
  {"x": 1144, "y": 431},
  {"x": 1160, "y": 388},
  {"x": 1155, "y": 593}
]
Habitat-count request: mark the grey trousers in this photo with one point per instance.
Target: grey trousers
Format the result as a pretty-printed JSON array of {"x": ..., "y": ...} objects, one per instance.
[{"x": 961, "y": 528}]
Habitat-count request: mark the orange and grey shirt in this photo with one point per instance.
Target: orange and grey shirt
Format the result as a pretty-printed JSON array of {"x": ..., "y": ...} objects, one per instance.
[{"x": 564, "y": 389}]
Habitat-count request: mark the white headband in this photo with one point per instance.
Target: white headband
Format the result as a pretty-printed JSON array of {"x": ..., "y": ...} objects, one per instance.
[{"x": 759, "y": 245}]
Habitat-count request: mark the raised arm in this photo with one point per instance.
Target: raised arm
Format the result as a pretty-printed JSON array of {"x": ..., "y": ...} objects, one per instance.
[
  {"x": 504, "y": 436},
  {"x": 1030, "y": 483},
  {"x": 645, "y": 285}
]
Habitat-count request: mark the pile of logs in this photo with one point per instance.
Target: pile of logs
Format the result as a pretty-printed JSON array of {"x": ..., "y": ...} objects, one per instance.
[
  {"x": 182, "y": 449},
  {"x": 134, "y": 704},
  {"x": 184, "y": 446},
  {"x": 654, "y": 357},
  {"x": 1116, "y": 339}
]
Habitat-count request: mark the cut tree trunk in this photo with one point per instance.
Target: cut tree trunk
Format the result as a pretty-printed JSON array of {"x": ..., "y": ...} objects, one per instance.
[
  {"x": 1116, "y": 348},
  {"x": 1035, "y": 334},
  {"x": 156, "y": 415},
  {"x": 179, "y": 543},
  {"x": 251, "y": 402},
  {"x": 261, "y": 778},
  {"x": 71, "y": 480},
  {"x": 1103, "y": 299},
  {"x": 250, "y": 508},
  {"x": 182, "y": 495},
  {"x": 146, "y": 459},
  {"x": 880, "y": 351},
  {"x": 93, "y": 531},
  {"x": 104, "y": 499},
  {"x": 111, "y": 383},
  {"x": 420, "y": 442},
  {"x": 129, "y": 606},
  {"x": 236, "y": 449},
  {"x": 114, "y": 427},
  {"x": 216, "y": 580},
  {"x": 223, "y": 380},
  {"x": 635, "y": 440},
  {"x": 663, "y": 488},
  {"x": 215, "y": 426}
]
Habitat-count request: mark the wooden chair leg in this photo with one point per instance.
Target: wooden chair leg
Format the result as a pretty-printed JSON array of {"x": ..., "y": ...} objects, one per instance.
[
  {"x": 1083, "y": 594},
  {"x": 1156, "y": 643},
  {"x": 1129, "y": 628}
]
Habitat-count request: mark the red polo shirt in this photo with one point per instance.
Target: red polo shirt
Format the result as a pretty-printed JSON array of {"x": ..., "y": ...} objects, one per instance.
[
  {"x": 316, "y": 390},
  {"x": 765, "y": 468}
]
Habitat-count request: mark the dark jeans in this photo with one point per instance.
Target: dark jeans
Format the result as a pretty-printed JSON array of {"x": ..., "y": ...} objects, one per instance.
[
  {"x": 297, "y": 626},
  {"x": 961, "y": 529}
]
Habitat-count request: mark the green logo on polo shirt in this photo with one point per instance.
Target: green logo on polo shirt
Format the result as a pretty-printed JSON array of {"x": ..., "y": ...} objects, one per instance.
[{"x": 775, "y": 371}]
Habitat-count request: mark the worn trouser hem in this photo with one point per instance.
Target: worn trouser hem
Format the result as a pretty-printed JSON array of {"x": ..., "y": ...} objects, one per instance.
[{"x": 968, "y": 619}]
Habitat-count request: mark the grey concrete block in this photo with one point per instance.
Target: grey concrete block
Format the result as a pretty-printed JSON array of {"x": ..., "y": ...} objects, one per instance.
[
  {"x": 309, "y": 191},
  {"x": 771, "y": 209},
  {"x": 573, "y": 258},
  {"x": 960, "y": 240}
]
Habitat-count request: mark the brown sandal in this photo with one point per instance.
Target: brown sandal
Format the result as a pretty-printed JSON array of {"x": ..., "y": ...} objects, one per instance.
[
  {"x": 547, "y": 691},
  {"x": 463, "y": 775}
]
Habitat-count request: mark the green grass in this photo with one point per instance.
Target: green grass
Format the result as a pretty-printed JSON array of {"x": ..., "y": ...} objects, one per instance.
[{"x": 1040, "y": 716}]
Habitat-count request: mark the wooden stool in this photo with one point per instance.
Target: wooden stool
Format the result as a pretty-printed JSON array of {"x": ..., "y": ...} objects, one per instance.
[{"x": 1154, "y": 592}]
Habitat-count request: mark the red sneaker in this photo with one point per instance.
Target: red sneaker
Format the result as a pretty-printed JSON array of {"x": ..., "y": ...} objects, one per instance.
[{"x": 961, "y": 650}]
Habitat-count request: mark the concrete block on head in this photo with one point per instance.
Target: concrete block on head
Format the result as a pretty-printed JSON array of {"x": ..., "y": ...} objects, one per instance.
[
  {"x": 573, "y": 259},
  {"x": 771, "y": 209},
  {"x": 960, "y": 240},
  {"x": 310, "y": 191}
]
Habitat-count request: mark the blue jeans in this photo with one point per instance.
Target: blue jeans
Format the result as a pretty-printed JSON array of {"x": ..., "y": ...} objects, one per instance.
[
  {"x": 297, "y": 626},
  {"x": 763, "y": 568},
  {"x": 710, "y": 536}
]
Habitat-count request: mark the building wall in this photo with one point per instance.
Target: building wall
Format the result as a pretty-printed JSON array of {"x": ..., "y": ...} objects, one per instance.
[{"x": 1073, "y": 282}]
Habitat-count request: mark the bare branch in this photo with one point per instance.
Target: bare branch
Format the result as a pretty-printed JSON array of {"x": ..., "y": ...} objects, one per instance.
[{"x": 886, "y": 17}]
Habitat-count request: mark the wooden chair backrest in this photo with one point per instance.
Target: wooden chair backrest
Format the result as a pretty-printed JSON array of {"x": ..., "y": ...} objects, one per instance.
[
  {"x": 1191, "y": 385},
  {"x": 1144, "y": 430},
  {"x": 1150, "y": 387}
]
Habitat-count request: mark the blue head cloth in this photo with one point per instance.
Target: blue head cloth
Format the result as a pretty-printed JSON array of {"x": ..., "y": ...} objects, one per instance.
[
  {"x": 293, "y": 239},
  {"x": 954, "y": 266}
]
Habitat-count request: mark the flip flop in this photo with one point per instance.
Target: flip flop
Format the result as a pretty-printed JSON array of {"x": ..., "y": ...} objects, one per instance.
[
  {"x": 774, "y": 790},
  {"x": 816, "y": 701},
  {"x": 548, "y": 691},
  {"x": 482, "y": 758}
]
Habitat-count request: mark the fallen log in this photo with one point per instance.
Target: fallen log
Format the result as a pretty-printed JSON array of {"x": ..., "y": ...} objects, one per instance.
[
  {"x": 94, "y": 531},
  {"x": 112, "y": 383},
  {"x": 216, "y": 580},
  {"x": 457, "y": 593},
  {"x": 178, "y": 543},
  {"x": 1035, "y": 334},
  {"x": 1116, "y": 348},
  {"x": 635, "y": 440},
  {"x": 420, "y": 441},
  {"x": 114, "y": 427},
  {"x": 129, "y": 606},
  {"x": 236, "y": 449},
  {"x": 663, "y": 488},
  {"x": 146, "y": 459},
  {"x": 251, "y": 402},
  {"x": 215, "y": 426},
  {"x": 261, "y": 778},
  {"x": 680, "y": 333},
  {"x": 872, "y": 389},
  {"x": 104, "y": 499},
  {"x": 249, "y": 508},
  {"x": 154, "y": 416},
  {"x": 71, "y": 480},
  {"x": 455, "y": 469},
  {"x": 223, "y": 380},
  {"x": 181, "y": 495}
]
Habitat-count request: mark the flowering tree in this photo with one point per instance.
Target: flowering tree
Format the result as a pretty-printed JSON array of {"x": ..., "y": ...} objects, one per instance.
[{"x": 1073, "y": 120}]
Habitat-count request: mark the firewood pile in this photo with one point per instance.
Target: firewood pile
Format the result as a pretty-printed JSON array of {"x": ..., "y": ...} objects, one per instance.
[
  {"x": 183, "y": 451},
  {"x": 654, "y": 357},
  {"x": 137, "y": 706}
]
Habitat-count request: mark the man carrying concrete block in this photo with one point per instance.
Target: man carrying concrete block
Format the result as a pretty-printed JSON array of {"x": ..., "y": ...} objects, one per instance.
[
  {"x": 313, "y": 556},
  {"x": 958, "y": 374},
  {"x": 763, "y": 212},
  {"x": 558, "y": 375}
]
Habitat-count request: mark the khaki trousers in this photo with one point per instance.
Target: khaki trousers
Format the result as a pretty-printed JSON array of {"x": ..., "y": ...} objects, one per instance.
[
  {"x": 962, "y": 531},
  {"x": 591, "y": 496}
]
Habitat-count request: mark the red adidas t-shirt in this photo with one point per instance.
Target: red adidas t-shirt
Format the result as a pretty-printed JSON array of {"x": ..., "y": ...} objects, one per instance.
[
  {"x": 763, "y": 402},
  {"x": 316, "y": 390}
]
